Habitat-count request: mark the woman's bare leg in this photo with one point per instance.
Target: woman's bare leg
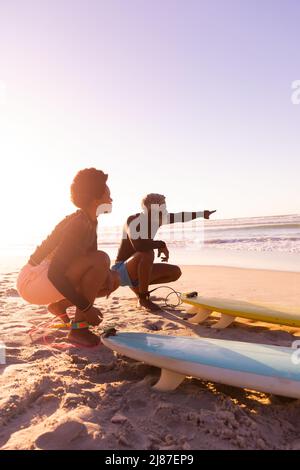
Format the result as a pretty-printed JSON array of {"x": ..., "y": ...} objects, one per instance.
[
  {"x": 89, "y": 275},
  {"x": 59, "y": 309}
]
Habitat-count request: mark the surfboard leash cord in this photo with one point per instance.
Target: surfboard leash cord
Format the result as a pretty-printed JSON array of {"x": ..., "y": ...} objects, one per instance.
[{"x": 173, "y": 292}]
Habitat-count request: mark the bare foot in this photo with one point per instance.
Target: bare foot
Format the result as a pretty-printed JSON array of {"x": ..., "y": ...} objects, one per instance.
[
  {"x": 148, "y": 305},
  {"x": 83, "y": 337},
  {"x": 59, "y": 309}
]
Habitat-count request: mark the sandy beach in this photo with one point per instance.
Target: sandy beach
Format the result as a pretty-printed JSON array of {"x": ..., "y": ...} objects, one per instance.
[
  {"x": 136, "y": 129},
  {"x": 56, "y": 396}
]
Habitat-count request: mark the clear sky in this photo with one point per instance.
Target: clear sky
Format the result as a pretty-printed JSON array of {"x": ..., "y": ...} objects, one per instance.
[{"x": 190, "y": 98}]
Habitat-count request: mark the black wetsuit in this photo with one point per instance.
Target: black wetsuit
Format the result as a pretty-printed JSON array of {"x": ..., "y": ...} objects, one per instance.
[
  {"x": 74, "y": 236},
  {"x": 129, "y": 245}
]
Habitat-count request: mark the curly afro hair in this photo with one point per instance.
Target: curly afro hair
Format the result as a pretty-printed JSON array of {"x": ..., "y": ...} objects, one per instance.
[{"x": 88, "y": 184}]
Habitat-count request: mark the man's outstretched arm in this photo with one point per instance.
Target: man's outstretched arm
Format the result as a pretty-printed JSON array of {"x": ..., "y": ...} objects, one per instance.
[{"x": 178, "y": 217}]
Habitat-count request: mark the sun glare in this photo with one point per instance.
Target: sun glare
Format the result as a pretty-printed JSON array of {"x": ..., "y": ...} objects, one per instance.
[{"x": 32, "y": 192}]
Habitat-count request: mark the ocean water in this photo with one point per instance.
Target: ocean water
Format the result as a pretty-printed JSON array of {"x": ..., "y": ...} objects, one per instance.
[
  {"x": 259, "y": 234},
  {"x": 271, "y": 242},
  {"x": 258, "y": 242}
]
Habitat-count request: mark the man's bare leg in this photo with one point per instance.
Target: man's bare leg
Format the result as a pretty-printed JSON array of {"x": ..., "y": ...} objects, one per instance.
[
  {"x": 163, "y": 273},
  {"x": 141, "y": 267}
]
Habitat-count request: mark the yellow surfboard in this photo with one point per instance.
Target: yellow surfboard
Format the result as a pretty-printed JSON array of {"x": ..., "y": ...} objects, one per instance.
[{"x": 230, "y": 309}]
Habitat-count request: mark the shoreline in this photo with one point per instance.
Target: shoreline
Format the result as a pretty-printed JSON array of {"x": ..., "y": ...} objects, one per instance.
[{"x": 213, "y": 257}]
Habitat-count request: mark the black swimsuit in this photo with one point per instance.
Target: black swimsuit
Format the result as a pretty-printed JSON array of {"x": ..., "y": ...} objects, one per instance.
[{"x": 129, "y": 246}]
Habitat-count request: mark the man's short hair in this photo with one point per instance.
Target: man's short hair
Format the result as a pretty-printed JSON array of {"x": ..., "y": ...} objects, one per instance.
[{"x": 153, "y": 198}]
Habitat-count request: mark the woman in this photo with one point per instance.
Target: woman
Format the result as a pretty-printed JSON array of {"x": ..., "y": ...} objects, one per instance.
[{"x": 67, "y": 268}]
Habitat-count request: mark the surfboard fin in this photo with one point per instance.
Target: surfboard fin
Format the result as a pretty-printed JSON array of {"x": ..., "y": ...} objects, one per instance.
[
  {"x": 224, "y": 321},
  {"x": 168, "y": 381},
  {"x": 201, "y": 314}
]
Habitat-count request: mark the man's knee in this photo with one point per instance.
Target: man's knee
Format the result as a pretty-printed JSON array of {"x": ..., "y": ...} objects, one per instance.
[{"x": 177, "y": 272}]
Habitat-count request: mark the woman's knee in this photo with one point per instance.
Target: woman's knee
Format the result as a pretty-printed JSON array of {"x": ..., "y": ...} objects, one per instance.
[
  {"x": 97, "y": 261},
  {"x": 101, "y": 259}
]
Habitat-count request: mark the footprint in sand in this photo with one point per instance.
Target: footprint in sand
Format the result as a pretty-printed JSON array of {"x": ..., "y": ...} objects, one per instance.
[
  {"x": 12, "y": 293},
  {"x": 61, "y": 436},
  {"x": 172, "y": 326},
  {"x": 154, "y": 326},
  {"x": 40, "y": 354}
]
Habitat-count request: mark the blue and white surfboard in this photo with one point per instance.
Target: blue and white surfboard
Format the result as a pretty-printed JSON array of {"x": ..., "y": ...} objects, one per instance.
[{"x": 271, "y": 369}]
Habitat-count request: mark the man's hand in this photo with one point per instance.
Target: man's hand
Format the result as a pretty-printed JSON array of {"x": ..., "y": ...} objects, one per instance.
[
  {"x": 112, "y": 283},
  {"x": 207, "y": 214},
  {"x": 163, "y": 251}
]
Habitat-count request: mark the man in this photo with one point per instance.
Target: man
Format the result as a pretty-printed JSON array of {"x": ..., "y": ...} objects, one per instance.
[
  {"x": 135, "y": 259},
  {"x": 67, "y": 268}
]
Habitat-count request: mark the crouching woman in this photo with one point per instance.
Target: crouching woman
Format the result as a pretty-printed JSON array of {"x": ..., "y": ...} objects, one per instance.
[{"x": 67, "y": 269}]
